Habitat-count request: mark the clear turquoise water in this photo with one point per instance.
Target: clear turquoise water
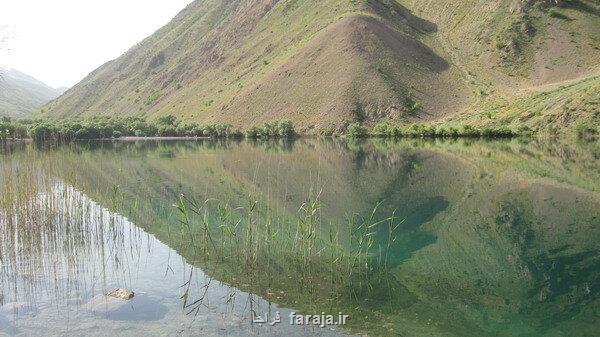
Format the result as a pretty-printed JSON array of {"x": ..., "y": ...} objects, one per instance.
[{"x": 487, "y": 238}]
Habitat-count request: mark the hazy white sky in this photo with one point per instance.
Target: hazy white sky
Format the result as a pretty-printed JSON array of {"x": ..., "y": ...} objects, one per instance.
[{"x": 61, "y": 41}]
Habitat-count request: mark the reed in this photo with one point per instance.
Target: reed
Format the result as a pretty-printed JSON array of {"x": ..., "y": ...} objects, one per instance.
[
  {"x": 295, "y": 251},
  {"x": 259, "y": 242},
  {"x": 53, "y": 239}
]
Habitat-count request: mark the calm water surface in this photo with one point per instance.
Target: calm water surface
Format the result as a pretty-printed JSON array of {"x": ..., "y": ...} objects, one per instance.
[{"x": 416, "y": 238}]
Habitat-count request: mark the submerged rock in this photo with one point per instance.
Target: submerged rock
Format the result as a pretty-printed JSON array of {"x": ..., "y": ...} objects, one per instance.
[
  {"x": 122, "y": 294},
  {"x": 111, "y": 302},
  {"x": 139, "y": 308},
  {"x": 104, "y": 305}
]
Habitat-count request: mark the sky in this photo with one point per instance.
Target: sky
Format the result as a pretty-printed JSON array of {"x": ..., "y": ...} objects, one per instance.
[{"x": 59, "y": 42}]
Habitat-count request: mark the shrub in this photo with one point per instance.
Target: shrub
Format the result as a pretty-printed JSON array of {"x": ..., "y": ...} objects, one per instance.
[
  {"x": 43, "y": 132},
  {"x": 4, "y": 134},
  {"x": 209, "y": 131},
  {"x": 183, "y": 130},
  {"x": 271, "y": 129},
  {"x": 167, "y": 131},
  {"x": 327, "y": 132},
  {"x": 448, "y": 132},
  {"x": 10, "y": 129},
  {"x": 115, "y": 127},
  {"x": 383, "y": 129},
  {"x": 469, "y": 131},
  {"x": 19, "y": 131},
  {"x": 286, "y": 129},
  {"x": 586, "y": 132},
  {"x": 167, "y": 120},
  {"x": 412, "y": 105},
  {"x": 152, "y": 97},
  {"x": 222, "y": 130},
  {"x": 196, "y": 131},
  {"x": 386, "y": 130},
  {"x": 355, "y": 130},
  {"x": 496, "y": 132},
  {"x": 254, "y": 132},
  {"x": 553, "y": 12},
  {"x": 276, "y": 129},
  {"x": 237, "y": 134},
  {"x": 524, "y": 130},
  {"x": 422, "y": 130}
]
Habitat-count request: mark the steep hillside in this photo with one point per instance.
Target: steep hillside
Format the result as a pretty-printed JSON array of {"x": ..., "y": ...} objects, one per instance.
[
  {"x": 527, "y": 63},
  {"x": 21, "y": 94},
  {"x": 324, "y": 64}
]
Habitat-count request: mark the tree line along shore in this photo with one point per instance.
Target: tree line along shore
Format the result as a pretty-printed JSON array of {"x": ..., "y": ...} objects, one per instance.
[{"x": 170, "y": 126}]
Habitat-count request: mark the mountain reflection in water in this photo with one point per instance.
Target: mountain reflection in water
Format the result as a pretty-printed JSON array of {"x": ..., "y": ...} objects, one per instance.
[{"x": 413, "y": 238}]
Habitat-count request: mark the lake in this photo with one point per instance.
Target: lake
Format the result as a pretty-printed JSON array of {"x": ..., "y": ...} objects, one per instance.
[{"x": 410, "y": 237}]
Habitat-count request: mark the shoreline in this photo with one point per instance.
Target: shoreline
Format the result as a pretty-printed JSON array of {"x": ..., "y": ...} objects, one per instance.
[
  {"x": 134, "y": 138},
  {"x": 344, "y": 137}
]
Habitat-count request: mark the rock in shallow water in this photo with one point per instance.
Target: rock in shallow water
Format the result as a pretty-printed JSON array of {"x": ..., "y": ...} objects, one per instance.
[
  {"x": 104, "y": 304},
  {"x": 140, "y": 308},
  {"x": 113, "y": 301},
  {"x": 122, "y": 294}
]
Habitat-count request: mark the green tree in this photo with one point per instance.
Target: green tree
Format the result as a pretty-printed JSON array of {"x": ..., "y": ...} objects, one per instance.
[
  {"x": 167, "y": 120},
  {"x": 355, "y": 130}
]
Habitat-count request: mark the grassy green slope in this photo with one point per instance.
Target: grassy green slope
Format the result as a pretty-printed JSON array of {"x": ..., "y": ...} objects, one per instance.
[
  {"x": 324, "y": 64},
  {"x": 526, "y": 64},
  {"x": 553, "y": 109}
]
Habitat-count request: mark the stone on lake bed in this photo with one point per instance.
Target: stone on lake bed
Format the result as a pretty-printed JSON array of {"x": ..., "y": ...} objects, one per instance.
[
  {"x": 138, "y": 308},
  {"x": 122, "y": 294},
  {"x": 111, "y": 302},
  {"x": 103, "y": 304}
]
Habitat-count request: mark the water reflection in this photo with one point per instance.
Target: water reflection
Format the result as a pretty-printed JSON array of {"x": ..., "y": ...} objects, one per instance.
[
  {"x": 412, "y": 237},
  {"x": 61, "y": 251}
]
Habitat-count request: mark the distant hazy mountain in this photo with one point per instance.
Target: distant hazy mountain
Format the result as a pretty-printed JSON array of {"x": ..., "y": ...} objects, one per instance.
[
  {"x": 61, "y": 90},
  {"x": 21, "y": 94}
]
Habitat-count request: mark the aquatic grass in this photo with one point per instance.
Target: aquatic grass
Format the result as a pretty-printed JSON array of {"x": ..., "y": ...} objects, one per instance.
[
  {"x": 305, "y": 237},
  {"x": 259, "y": 243},
  {"x": 51, "y": 235},
  {"x": 202, "y": 213}
]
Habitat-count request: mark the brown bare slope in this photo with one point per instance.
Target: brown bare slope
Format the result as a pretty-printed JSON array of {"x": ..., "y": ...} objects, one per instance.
[{"x": 358, "y": 68}]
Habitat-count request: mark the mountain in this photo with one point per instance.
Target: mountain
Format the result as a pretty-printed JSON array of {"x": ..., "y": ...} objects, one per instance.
[
  {"x": 21, "y": 94},
  {"x": 326, "y": 63}
]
